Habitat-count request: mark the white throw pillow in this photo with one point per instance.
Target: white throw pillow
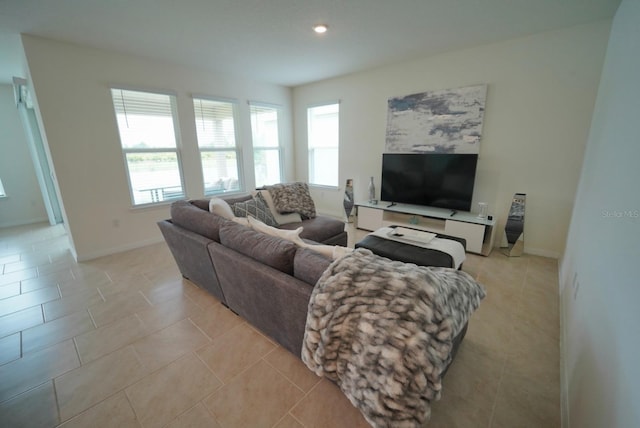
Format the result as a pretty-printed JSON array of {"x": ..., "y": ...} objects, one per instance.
[
  {"x": 289, "y": 235},
  {"x": 221, "y": 207},
  {"x": 334, "y": 252},
  {"x": 280, "y": 218},
  {"x": 339, "y": 252},
  {"x": 242, "y": 220}
]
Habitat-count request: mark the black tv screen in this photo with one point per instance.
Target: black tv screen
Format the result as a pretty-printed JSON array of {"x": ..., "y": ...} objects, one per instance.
[{"x": 435, "y": 180}]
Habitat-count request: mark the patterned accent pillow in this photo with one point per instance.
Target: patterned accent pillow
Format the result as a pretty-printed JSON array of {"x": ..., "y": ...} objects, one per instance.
[
  {"x": 256, "y": 208},
  {"x": 293, "y": 198}
]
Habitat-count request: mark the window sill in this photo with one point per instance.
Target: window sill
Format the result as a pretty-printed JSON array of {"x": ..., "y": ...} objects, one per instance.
[{"x": 323, "y": 187}]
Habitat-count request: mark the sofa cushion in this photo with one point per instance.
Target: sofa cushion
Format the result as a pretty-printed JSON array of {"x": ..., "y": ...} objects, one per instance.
[
  {"x": 318, "y": 229},
  {"x": 293, "y": 198},
  {"x": 308, "y": 265},
  {"x": 275, "y": 252},
  {"x": 280, "y": 218},
  {"x": 235, "y": 199},
  {"x": 289, "y": 235},
  {"x": 195, "y": 219},
  {"x": 257, "y": 208},
  {"x": 202, "y": 203},
  {"x": 221, "y": 207}
]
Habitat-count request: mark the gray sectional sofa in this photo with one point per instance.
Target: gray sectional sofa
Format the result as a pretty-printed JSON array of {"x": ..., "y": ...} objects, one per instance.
[
  {"x": 265, "y": 279},
  {"x": 269, "y": 282}
]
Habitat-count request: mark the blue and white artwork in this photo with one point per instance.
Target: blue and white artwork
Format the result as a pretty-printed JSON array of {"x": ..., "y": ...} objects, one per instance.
[{"x": 444, "y": 121}]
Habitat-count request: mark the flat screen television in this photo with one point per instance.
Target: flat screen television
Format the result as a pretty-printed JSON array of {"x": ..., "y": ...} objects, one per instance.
[{"x": 429, "y": 179}]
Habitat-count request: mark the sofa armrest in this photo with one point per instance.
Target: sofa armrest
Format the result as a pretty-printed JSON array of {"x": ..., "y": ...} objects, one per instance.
[{"x": 192, "y": 257}]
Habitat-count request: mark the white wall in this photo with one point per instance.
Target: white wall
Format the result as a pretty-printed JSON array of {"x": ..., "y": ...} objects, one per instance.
[
  {"x": 541, "y": 92},
  {"x": 71, "y": 85},
  {"x": 601, "y": 324},
  {"x": 24, "y": 202}
]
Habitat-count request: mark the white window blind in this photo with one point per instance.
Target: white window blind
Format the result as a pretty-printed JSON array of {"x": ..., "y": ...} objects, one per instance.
[
  {"x": 267, "y": 153},
  {"x": 219, "y": 152},
  {"x": 323, "y": 125},
  {"x": 147, "y": 127}
]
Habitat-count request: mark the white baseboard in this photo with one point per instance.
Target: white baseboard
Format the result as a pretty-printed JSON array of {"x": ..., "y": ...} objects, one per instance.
[
  {"x": 542, "y": 253},
  {"x": 24, "y": 222},
  {"x": 564, "y": 383},
  {"x": 114, "y": 250}
]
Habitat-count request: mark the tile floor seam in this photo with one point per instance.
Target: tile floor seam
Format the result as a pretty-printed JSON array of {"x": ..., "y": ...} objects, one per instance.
[
  {"x": 184, "y": 413},
  {"x": 159, "y": 368},
  {"x": 199, "y": 329},
  {"x": 102, "y": 356},
  {"x": 42, "y": 314},
  {"x": 55, "y": 396},
  {"x": 222, "y": 382},
  {"x": 91, "y": 407},
  {"x": 296, "y": 419},
  {"x": 133, "y": 408},
  {"x": 145, "y": 298},
  {"x": 147, "y": 329},
  {"x": 280, "y": 372},
  {"x": 6, "y": 400},
  {"x": 59, "y": 292},
  {"x": 21, "y": 348},
  {"x": 135, "y": 354},
  {"x": 95, "y": 325},
  {"x": 209, "y": 412},
  {"x": 231, "y": 379},
  {"x": 123, "y": 389},
  {"x": 495, "y": 399},
  {"x": 148, "y": 375},
  {"x": 190, "y": 299},
  {"x": 280, "y": 420},
  {"x": 309, "y": 392},
  {"x": 100, "y": 294},
  {"x": 75, "y": 344}
]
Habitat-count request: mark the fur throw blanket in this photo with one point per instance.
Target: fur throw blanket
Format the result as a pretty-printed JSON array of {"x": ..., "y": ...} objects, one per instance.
[{"x": 382, "y": 330}]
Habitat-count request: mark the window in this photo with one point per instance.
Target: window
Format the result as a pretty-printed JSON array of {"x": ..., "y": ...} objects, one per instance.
[
  {"x": 323, "y": 136},
  {"x": 266, "y": 144},
  {"x": 216, "y": 131},
  {"x": 2, "y": 194},
  {"x": 147, "y": 124}
]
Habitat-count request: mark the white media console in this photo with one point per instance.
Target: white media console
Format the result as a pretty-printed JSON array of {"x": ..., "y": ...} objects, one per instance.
[{"x": 477, "y": 231}]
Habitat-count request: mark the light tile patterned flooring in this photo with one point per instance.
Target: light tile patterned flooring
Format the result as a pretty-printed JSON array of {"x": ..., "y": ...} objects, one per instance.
[{"x": 124, "y": 341}]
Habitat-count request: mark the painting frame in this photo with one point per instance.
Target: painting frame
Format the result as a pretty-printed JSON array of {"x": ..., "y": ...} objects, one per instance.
[{"x": 439, "y": 121}]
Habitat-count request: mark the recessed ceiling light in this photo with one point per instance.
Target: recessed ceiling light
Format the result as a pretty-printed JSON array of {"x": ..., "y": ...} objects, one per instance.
[{"x": 320, "y": 28}]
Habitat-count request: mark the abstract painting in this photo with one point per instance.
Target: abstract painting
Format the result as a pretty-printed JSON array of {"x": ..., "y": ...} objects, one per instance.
[{"x": 444, "y": 121}]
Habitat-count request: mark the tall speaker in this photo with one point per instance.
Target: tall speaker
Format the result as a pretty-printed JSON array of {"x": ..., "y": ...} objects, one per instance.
[{"x": 513, "y": 238}]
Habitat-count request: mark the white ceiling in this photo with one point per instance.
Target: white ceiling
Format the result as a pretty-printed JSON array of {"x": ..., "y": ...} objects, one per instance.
[{"x": 272, "y": 41}]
